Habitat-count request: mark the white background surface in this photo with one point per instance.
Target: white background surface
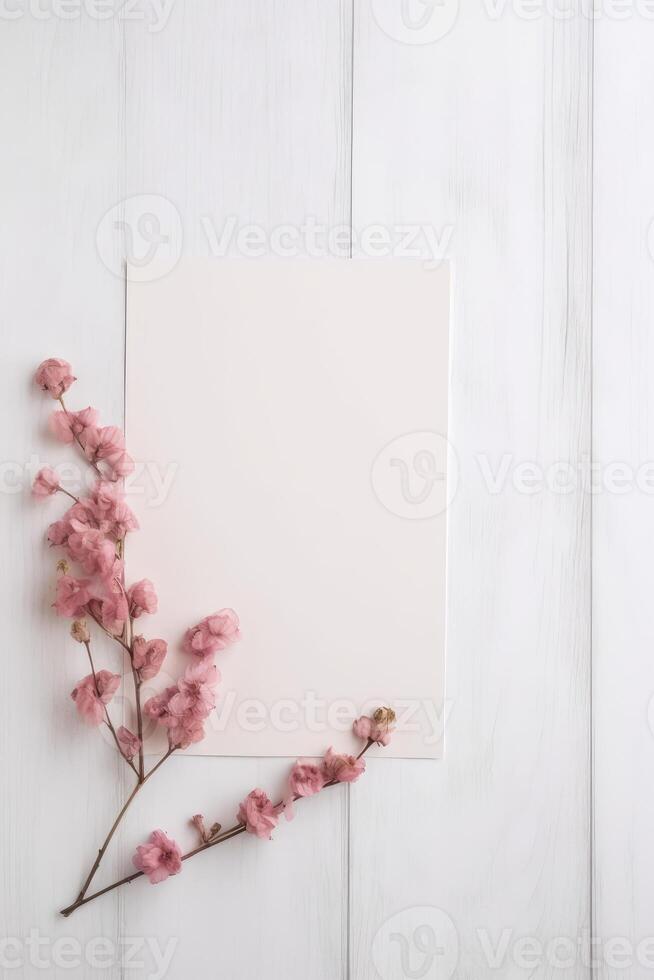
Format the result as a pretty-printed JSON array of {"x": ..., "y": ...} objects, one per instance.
[{"x": 527, "y": 141}]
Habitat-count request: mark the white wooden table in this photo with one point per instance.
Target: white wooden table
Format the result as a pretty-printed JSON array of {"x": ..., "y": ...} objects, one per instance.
[{"x": 518, "y": 141}]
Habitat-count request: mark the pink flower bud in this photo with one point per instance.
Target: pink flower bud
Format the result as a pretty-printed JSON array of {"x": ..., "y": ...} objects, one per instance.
[
  {"x": 54, "y": 376},
  {"x": 142, "y": 598},
  {"x": 128, "y": 742},
  {"x": 148, "y": 656},
  {"x": 46, "y": 482}
]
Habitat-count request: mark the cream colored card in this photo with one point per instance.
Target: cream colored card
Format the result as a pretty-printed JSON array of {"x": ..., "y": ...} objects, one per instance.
[{"x": 289, "y": 422}]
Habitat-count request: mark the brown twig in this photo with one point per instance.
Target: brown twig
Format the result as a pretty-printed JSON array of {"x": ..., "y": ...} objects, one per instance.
[
  {"x": 113, "y": 636},
  {"x": 226, "y": 835},
  {"x": 129, "y": 762},
  {"x": 137, "y": 695},
  {"x": 81, "y": 900},
  {"x": 139, "y": 720},
  {"x": 68, "y": 494}
]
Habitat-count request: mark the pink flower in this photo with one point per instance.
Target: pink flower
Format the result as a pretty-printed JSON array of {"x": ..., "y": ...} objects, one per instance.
[
  {"x": 111, "y": 611},
  {"x": 156, "y": 707},
  {"x": 46, "y": 482},
  {"x": 72, "y": 595},
  {"x": 195, "y": 697},
  {"x": 103, "y": 443},
  {"x": 92, "y": 694},
  {"x": 59, "y": 532},
  {"x": 103, "y": 511},
  {"x": 66, "y": 425},
  {"x": 54, "y": 376},
  {"x": 183, "y": 707},
  {"x": 129, "y": 743},
  {"x": 159, "y": 858},
  {"x": 94, "y": 552},
  {"x": 362, "y": 727},
  {"x": 103, "y": 499},
  {"x": 108, "y": 444},
  {"x": 342, "y": 768},
  {"x": 121, "y": 464},
  {"x": 148, "y": 656},
  {"x": 142, "y": 598},
  {"x": 121, "y": 520},
  {"x": 377, "y": 729},
  {"x": 185, "y": 731},
  {"x": 258, "y": 814},
  {"x": 306, "y": 779},
  {"x": 211, "y": 634},
  {"x": 108, "y": 511}
]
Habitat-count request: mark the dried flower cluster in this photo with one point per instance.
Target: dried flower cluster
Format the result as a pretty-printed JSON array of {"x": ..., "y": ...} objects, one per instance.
[{"x": 92, "y": 535}]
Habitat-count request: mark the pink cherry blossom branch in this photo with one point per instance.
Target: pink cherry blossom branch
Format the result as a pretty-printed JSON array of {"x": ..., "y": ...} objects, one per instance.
[
  {"x": 220, "y": 838},
  {"x": 92, "y": 534},
  {"x": 119, "y": 549},
  {"x": 55, "y": 376}
]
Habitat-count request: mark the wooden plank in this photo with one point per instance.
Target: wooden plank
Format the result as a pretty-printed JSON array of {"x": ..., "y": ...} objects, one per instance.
[
  {"x": 61, "y": 116},
  {"x": 238, "y": 115},
  {"x": 491, "y": 140},
  {"x": 623, "y": 515}
]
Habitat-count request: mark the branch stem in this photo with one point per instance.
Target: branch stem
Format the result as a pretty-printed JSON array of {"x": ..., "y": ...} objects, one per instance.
[
  {"x": 226, "y": 835},
  {"x": 68, "y": 494},
  {"x": 113, "y": 636},
  {"x": 80, "y": 900},
  {"x": 108, "y": 721},
  {"x": 137, "y": 696}
]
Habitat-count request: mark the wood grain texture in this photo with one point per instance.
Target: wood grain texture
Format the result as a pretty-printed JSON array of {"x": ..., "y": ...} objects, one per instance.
[
  {"x": 623, "y": 525},
  {"x": 61, "y": 113},
  {"x": 491, "y": 135},
  {"x": 240, "y": 112}
]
